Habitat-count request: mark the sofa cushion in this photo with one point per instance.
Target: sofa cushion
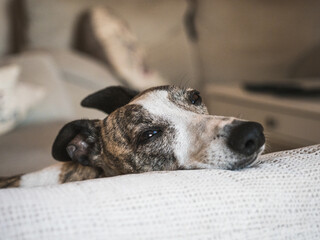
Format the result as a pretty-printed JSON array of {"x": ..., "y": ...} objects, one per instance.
[
  {"x": 51, "y": 24},
  {"x": 39, "y": 68},
  {"x": 278, "y": 199},
  {"x": 117, "y": 47},
  {"x": 82, "y": 76},
  {"x": 16, "y": 98},
  {"x": 8, "y": 104},
  {"x": 82, "y": 69},
  {"x": 68, "y": 77}
]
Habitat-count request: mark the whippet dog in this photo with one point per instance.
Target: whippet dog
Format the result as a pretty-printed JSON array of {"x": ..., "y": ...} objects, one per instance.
[{"x": 160, "y": 129}]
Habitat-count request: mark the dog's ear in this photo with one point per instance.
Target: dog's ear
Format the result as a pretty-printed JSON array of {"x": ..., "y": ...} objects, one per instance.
[
  {"x": 109, "y": 99},
  {"x": 78, "y": 141}
]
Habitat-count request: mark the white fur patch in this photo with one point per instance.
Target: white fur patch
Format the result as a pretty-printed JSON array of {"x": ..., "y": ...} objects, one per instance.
[
  {"x": 46, "y": 176},
  {"x": 158, "y": 104}
]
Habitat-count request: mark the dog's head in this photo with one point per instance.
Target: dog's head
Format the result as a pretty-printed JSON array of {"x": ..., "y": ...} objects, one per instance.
[{"x": 162, "y": 128}]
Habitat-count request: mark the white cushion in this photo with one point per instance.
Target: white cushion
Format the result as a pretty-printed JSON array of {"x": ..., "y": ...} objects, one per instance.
[
  {"x": 39, "y": 68},
  {"x": 16, "y": 98},
  {"x": 279, "y": 199}
]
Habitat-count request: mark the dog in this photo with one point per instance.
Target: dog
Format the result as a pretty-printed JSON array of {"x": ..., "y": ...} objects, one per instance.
[{"x": 160, "y": 129}]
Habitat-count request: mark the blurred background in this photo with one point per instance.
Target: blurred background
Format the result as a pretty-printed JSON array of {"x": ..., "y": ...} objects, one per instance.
[{"x": 258, "y": 60}]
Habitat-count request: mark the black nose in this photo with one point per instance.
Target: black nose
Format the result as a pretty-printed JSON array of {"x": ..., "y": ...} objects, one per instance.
[{"x": 246, "y": 138}]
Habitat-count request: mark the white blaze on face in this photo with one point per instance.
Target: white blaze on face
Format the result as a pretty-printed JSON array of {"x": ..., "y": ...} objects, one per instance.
[
  {"x": 46, "y": 176},
  {"x": 158, "y": 104}
]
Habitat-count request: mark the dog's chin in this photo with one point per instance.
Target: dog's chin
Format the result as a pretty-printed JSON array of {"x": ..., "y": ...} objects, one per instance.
[{"x": 249, "y": 161}]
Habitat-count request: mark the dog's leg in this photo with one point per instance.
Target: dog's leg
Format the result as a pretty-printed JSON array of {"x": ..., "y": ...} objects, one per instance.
[
  {"x": 10, "y": 182},
  {"x": 71, "y": 172},
  {"x": 55, "y": 174}
]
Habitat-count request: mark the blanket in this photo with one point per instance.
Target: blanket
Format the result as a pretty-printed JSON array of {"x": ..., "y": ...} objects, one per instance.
[{"x": 278, "y": 199}]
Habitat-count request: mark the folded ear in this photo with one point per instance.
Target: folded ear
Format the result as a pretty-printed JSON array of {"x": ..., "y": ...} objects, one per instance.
[
  {"x": 78, "y": 141},
  {"x": 109, "y": 99}
]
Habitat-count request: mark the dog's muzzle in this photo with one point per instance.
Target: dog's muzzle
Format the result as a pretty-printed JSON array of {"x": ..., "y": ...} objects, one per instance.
[{"x": 246, "y": 138}]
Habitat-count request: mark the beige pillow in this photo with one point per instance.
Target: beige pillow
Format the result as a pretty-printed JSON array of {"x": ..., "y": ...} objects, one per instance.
[
  {"x": 108, "y": 37},
  {"x": 16, "y": 99}
]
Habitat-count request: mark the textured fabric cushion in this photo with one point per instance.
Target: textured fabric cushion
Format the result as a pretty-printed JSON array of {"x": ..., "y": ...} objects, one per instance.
[
  {"x": 4, "y": 28},
  {"x": 279, "y": 199},
  {"x": 157, "y": 24}
]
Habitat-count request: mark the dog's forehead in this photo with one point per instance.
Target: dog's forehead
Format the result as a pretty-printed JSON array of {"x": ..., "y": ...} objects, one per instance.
[
  {"x": 169, "y": 89},
  {"x": 161, "y": 100}
]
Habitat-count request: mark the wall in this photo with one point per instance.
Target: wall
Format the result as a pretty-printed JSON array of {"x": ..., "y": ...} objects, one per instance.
[{"x": 261, "y": 39}]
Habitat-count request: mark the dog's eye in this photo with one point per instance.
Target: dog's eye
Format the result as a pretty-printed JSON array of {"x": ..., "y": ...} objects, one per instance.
[
  {"x": 148, "y": 135},
  {"x": 195, "y": 98}
]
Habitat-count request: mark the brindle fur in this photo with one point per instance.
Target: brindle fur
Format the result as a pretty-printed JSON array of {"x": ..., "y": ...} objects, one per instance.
[{"x": 71, "y": 172}]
